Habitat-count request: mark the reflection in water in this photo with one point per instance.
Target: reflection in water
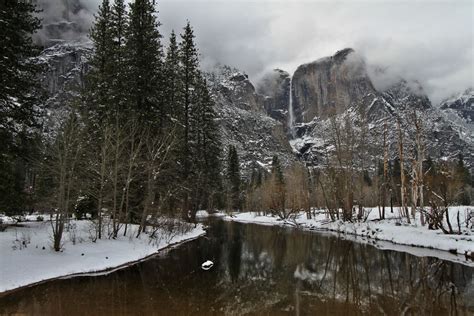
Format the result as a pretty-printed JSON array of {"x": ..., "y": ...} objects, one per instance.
[{"x": 262, "y": 270}]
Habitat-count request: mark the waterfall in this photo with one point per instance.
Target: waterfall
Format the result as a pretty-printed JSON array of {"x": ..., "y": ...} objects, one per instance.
[{"x": 291, "y": 114}]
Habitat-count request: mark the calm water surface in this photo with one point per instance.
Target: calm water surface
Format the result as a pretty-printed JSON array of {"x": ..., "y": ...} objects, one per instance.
[{"x": 260, "y": 270}]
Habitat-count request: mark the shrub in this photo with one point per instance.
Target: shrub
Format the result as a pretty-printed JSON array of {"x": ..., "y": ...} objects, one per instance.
[{"x": 85, "y": 204}]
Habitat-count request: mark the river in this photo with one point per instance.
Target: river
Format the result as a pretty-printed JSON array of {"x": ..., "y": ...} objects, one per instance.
[{"x": 261, "y": 270}]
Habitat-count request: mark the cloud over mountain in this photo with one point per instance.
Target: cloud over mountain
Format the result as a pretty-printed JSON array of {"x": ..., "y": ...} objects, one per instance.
[{"x": 428, "y": 41}]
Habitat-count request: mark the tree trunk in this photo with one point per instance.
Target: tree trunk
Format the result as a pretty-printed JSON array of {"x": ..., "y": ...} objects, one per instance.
[
  {"x": 402, "y": 172},
  {"x": 385, "y": 168}
]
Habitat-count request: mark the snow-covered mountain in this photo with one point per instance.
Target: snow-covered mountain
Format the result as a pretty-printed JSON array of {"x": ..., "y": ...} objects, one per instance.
[
  {"x": 462, "y": 103},
  {"x": 244, "y": 121},
  {"x": 256, "y": 120},
  {"x": 340, "y": 85},
  {"x": 459, "y": 109}
]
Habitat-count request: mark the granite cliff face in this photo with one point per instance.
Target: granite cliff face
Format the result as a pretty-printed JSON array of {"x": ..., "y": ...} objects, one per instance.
[
  {"x": 275, "y": 87},
  {"x": 65, "y": 66},
  {"x": 329, "y": 85},
  {"x": 65, "y": 69},
  {"x": 332, "y": 85},
  {"x": 340, "y": 85}
]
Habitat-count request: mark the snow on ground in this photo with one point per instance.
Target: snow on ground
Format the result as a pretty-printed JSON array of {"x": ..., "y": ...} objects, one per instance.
[
  {"x": 391, "y": 229},
  {"x": 27, "y": 256},
  {"x": 205, "y": 214},
  {"x": 202, "y": 214}
]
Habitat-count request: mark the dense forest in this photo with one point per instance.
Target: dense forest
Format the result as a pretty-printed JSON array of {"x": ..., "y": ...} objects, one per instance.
[{"x": 139, "y": 140}]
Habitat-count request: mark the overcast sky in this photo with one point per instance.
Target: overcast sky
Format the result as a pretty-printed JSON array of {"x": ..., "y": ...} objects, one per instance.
[{"x": 428, "y": 41}]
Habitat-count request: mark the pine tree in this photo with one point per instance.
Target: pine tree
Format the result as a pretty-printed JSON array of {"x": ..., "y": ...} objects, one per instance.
[
  {"x": 188, "y": 56},
  {"x": 144, "y": 59},
  {"x": 99, "y": 98},
  {"x": 20, "y": 99},
  {"x": 205, "y": 145},
  {"x": 18, "y": 66},
  {"x": 233, "y": 178},
  {"x": 199, "y": 156},
  {"x": 119, "y": 26},
  {"x": 173, "y": 82},
  {"x": 171, "y": 180}
]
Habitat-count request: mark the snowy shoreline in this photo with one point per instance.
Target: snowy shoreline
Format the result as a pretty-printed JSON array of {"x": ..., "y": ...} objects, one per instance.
[
  {"x": 412, "y": 238},
  {"x": 28, "y": 260}
]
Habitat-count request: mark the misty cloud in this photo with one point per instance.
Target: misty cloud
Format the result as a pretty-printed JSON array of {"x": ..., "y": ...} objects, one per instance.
[
  {"x": 427, "y": 41},
  {"x": 65, "y": 19}
]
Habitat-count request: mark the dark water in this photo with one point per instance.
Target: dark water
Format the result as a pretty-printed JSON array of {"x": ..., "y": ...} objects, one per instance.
[{"x": 262, "y": 270}]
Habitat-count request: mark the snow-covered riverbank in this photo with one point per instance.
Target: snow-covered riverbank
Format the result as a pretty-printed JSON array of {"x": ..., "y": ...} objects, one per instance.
[
  {"x": 391, "y": 229},
  {"x": 27, "y": 257}
]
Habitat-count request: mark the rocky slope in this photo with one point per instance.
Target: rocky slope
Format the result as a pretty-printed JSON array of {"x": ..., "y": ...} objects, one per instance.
[
  {"x": 460, "y": 110},
  {"x": 244, "y": 121},
  {"x": 275, "y": 87},
  {"x": 462, "y": 103}
]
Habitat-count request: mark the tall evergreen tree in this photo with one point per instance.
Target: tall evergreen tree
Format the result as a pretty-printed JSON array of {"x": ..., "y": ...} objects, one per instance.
[
  {"x": 119, "y": 26},
  {"x": 233, "y": 178},
  {"x": 205, "y": 146},
  {"x": 199, "y": 156},
  {"x": 172, "y": 109},
  {"x": 144, "y": 58},
  {"x": 212, "y": 142},
  {"x": 189, "y": 73},
  {"x": 173, "y": 83},
  {"x": 19, "y": 87},
  {"x": 99, "y": 82},
  {"x": 20, "y": 98}
]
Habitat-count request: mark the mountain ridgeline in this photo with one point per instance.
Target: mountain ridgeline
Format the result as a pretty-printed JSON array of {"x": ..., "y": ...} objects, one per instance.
[{"x": 254, "y": 118}]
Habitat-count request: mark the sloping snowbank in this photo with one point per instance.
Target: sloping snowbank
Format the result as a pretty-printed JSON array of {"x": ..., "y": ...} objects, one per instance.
[
  {"x": 392, "y": 229},
  {"x": 27, "y": 257}
]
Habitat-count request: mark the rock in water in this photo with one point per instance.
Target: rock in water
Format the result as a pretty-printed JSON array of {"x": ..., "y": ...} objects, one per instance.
[{"x": 207, "y": 265}]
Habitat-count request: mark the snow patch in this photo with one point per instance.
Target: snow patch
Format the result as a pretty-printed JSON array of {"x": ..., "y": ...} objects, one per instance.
[{"x": 27, "y": 256}]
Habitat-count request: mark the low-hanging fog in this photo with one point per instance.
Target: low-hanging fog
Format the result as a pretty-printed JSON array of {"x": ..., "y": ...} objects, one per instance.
[{"x": 428, "y": 41}]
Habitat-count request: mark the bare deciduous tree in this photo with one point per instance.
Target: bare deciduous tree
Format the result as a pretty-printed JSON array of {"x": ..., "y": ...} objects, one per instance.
[
  {"x": 62, "y": 166},
  {"x": 157, "y": 151},
  {"x": 297, "y": 190},
  {"x": 403, "y": 191}
]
